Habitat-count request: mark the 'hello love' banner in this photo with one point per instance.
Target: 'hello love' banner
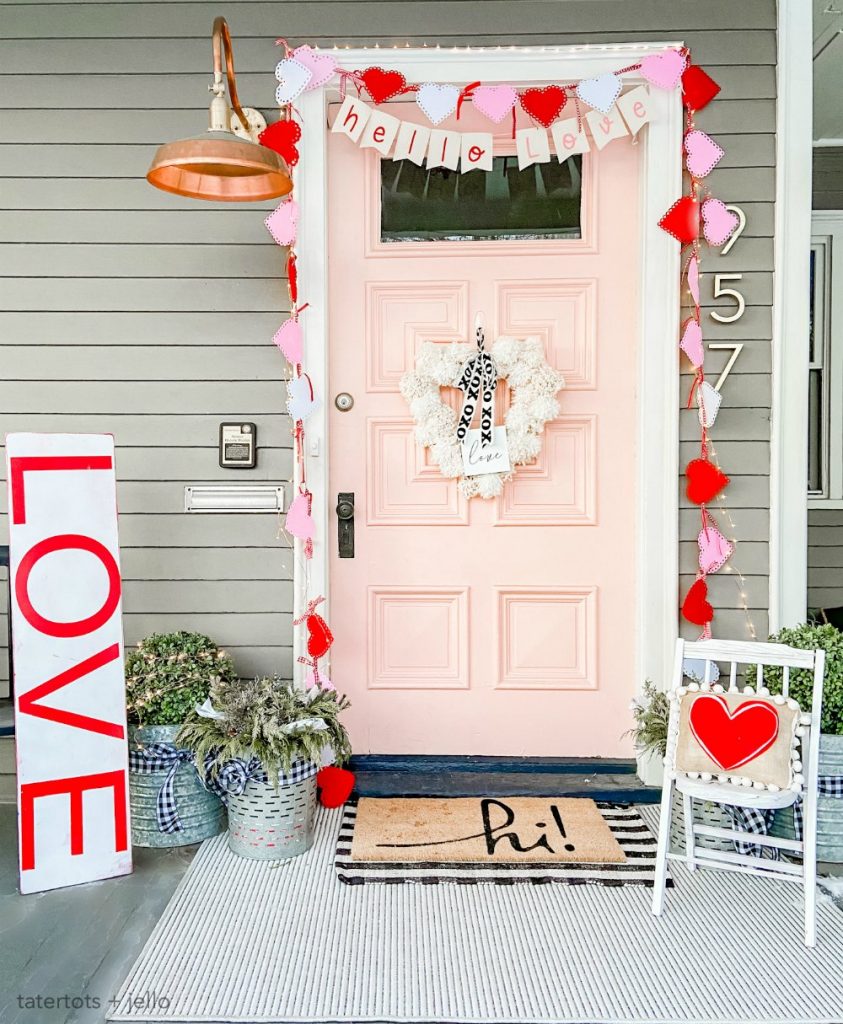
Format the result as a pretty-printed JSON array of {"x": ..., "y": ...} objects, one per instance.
[{"x": 468, "y": 151}]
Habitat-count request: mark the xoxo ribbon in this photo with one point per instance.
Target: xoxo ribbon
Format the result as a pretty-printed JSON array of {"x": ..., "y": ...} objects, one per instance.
[{"x": 479, "y": 374}]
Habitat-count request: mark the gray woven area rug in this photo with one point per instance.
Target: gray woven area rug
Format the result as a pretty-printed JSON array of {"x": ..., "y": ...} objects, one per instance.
[{"x": 246, "y": 941}]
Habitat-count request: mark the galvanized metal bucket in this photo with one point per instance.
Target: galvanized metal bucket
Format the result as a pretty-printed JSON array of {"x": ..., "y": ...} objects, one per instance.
[
  {"x": 829, "y": 808},
  {"x": 265, "y": 823},
  {"x": 706, "y": 812},
  {"x": 202, "y": 812}
]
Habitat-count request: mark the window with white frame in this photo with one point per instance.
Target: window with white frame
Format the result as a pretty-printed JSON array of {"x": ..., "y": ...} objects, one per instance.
[{"x": 825, "y": 381}]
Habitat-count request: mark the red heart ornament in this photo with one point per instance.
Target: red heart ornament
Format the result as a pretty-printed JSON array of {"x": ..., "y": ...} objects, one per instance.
[
  {"x": 695, "y": 607},
  {"x": 682, "y": 220},
  {"x": 383, "y": 85},
  {"x": 698, "y": 88},
  {"x": 543, "y": 105},
  {"x": 336, "y": 785},
  {"x": 282, "y": 136},
  {"x": 705, "y": 481},
  {"x": 733, "y": 738},
  {"x": 319, "y": 636}
]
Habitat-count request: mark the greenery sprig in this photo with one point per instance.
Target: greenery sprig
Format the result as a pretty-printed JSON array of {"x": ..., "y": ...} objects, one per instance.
[
  {"x": 269, "y": 718},
  {"x": 651, "y": 712}
]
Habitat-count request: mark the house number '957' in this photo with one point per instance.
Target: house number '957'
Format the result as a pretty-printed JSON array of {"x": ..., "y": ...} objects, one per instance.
[{"x": 722, "y": 290}]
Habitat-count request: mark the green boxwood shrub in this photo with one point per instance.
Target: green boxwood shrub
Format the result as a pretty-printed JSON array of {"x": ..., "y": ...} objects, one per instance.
[
  {"x": 168, "y": 674},
  {"x": 808, "y": 637}
]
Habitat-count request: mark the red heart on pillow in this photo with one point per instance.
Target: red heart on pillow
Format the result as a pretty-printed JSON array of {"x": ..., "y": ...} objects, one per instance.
[
  {"x": 282, "y": 136},
  {"x": 336, "y": 785},
  {"x": 682, "y": 220},
  {"x": 383, "y": 85},
  {"x": 698, "y": 88},
  {"x": 543, "y": 105},
  {"x": 705, "y": 481},
  {"x": 732, "y": 738},
  {"x": 319, "y": 636},
  {"x": 695, "y": 607}
]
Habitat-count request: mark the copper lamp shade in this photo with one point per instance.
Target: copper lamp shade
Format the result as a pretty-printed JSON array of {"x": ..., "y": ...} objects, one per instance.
[{"x": 218, "y": 165}]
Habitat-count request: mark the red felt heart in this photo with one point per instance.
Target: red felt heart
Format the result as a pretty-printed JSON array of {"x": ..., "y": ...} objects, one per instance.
[
  {"x": 705, "y": 481},
  {"x": 336, "y": 785},
  {"x": 543, "y": 105},
  {"x": 695, "y": 607},
  {"x": 282, "y": 136},
  {"x": 383, "y": 85},
  {"x": 732, "y": 738},
  {"x": 319, "y": 636},
  {"x": 682, "y": 220},
  {"x": 698, "y": 88}
]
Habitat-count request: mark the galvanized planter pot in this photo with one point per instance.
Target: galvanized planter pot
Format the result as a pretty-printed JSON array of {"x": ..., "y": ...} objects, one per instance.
[
  {"x": 269, "y": 824},
  {"x": 706, "y": 812},
  {"x": 202, "y": 813},
  {"x": 829, "y": 808}
]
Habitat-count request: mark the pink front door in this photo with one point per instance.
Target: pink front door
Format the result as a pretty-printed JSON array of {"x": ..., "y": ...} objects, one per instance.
[{"x": 500, "y": 626}]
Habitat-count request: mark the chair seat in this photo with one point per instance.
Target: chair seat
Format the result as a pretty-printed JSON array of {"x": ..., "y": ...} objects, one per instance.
[{"x": 737, "y": 796}]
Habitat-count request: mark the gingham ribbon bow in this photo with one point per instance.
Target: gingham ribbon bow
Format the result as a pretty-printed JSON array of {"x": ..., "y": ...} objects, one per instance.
[
  {"x": 479, "y": 375},
  {"x": 233, "y": 776},
  {"x": 757, "y": 821},
  {"x": 159, "y": 757}
]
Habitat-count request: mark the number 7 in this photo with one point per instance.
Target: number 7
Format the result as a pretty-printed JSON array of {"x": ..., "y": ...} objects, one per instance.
[{"x": 737, "y": 348}]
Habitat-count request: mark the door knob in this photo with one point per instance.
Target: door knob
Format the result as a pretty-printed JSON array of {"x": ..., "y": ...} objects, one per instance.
[{"x": 345, "y": 524}]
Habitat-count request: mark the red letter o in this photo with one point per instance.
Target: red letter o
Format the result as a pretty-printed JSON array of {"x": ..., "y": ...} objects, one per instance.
[{"x": 61, "y": 543}]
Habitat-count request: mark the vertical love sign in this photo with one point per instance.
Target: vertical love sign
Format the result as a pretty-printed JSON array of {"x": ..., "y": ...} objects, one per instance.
[{"x": 70, "y": 711}]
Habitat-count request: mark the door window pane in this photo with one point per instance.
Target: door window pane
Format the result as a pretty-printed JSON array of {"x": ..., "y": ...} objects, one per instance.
[{"x": 421, "y": 204}]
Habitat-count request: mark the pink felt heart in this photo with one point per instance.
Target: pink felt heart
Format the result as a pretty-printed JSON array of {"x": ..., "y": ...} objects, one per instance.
[
  {"x": 281, "y": 223},
  {"x": 299, "y": 521},
  {"x": 692, "y": 343},
  {"x": 715, "y": 550},
  {"x": 320, "y": 65},
  {"x": 315, "y": 680},
  {"x": 693, "y": 274},
  {"x": 708, "y": 400},
  {"x": 494, "y": 101},
  {"x": 701, "y": 153},
  {"x": 664, "y": 69},
  {"x": 288, "y": 338},
  {"x": 718, "y": 222},
  {"x": 293, "y": 79}
]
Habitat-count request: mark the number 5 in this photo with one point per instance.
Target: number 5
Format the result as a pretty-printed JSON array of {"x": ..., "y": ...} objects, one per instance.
[{"x": 720, "y": 291}]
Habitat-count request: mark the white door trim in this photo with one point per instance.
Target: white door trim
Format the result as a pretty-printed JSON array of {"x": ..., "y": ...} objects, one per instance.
[
  {"x": 657, "y": 553},
  {"x": 792, "y": 246}
]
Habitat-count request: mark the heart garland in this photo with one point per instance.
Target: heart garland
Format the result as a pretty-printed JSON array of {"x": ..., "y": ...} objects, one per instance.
[
  {"x": 705, "y": 481},
  {"x": 382, "y": 85},
  {"x": 437, "y": 101},
  {"x": 282, "y": 136},
  {"x": 695, "y": 607},
  {"x": 543, "y": 105}
]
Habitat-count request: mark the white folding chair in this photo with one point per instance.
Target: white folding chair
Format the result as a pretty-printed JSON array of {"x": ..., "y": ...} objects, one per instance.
[{"x": 732, "y": 788}]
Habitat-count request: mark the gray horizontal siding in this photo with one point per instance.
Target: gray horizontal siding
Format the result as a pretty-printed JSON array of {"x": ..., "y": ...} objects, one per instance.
[
  {"x": 110, "y": 288},
  {"x": 828, "y": 178},
  {"x": 825, "y": 558}
]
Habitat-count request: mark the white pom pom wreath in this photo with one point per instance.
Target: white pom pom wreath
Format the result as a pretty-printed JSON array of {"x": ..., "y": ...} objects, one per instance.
[{"x": 533, "y": 386}]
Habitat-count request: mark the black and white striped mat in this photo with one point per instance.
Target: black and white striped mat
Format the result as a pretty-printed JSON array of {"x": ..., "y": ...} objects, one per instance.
[{"x": 626, "y": 824}]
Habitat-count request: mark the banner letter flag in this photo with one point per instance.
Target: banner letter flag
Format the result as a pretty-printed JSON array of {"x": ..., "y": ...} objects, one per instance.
[
  {"x": 532, "y": 147},
  {"x": 476, "y": 152},
  {"x": 635, "y": 108},
  {"x": 379, "y": 132},
  {"x": 444, "y": 150},
  {"x": 351, "y": 118},
  {"x": 605, "y": 127},
  {"x": 411, "y": 142},
  {"x": 70, "y": 713},
  {"x": 569, "y": 139}
]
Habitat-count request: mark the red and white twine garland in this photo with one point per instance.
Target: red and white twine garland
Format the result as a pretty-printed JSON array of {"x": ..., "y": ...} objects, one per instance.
[{"x": 306, "y": 68}]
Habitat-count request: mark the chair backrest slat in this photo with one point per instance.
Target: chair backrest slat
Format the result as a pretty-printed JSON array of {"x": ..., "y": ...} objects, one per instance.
[
  {"x": 786, "y": 681},
  {"x": 733, "y": 677},
  {"x": 759, "y": 681}
]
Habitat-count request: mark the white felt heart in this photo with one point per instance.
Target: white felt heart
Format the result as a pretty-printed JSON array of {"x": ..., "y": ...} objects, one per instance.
[
  {"x": 294, "y": 78},
  {"x": 694, "y": 668},
  {"x": 601, "y": 92},
  {"x": 301, "y": 400},
  {"x": 437, "y": 101},
  {"x": 708, "y": 401}
]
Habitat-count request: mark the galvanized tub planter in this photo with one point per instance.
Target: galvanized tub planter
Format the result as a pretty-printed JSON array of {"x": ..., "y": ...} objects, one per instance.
[
  {"x": 265, "y": 823},
  {"x": 829, "y": 808},
  {"x": 706, "y": 812},
  {"x": 202, "y": 813}
]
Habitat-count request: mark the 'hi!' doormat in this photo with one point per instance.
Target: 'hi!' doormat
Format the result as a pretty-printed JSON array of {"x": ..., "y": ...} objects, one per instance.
[{"x": 503, "y": 840}]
